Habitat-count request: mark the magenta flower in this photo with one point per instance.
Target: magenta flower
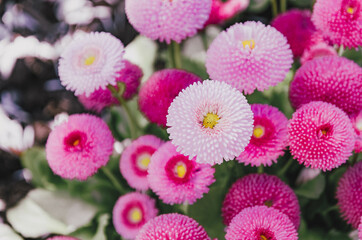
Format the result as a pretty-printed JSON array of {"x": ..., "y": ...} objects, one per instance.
[
  {"x": 130, "y": 75},
  {"x": 249, "y": 56},
  {"x": 296, "y": 25},
  {"x": 320, "y": 49},
  {"x": 223, "y": 10},
  {"x": 62, "y": 238},
  {"x": 320, "y": 136},
  {"x": 349, "y": 195},
  {"x": 357, "y": 126},
  {"x": 332, "y": 79},
  {"x": 269, "y": 137},
  {"x": 159, "y": 91},
  {"x": 168, "y": 20},
  {"x": 77, "y": 148},
  {"x": 91, "y": 62},
  {"x": 340, "y": 21},
  {"x": 172, "y": 226},
  {"x": 131, "y": 212},
  {"x": 211, "y": 121},
  {"x": 261, "y": 223},
  {"x": 175, "y": 178},
  {"x": 135, "y": 160},
  {"x": 258, "y": 190}
]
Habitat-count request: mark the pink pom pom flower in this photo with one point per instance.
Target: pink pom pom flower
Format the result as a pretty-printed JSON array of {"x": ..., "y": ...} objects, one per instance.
[
  {"x": 135, "y": 160},
  {"x": 172, "y": 226},
  {"x": 296, "y": 25},
  {"x": 261, "y": 223},
  {"x": 357, "y": 125},
  {"x": 130, "y": 75},
  {"x": 159, "y": 91},
  {"x": 349, "y": 195},
  {"x": 77, "y": 148},
  {"x": 340, "y": 21},
  {"x": 175, "y": 178},
  {"x": 330, "y": 79},
  {"x": 317, "y": 50},
  {"x": 91, "y": 62},
  {"x": 168, "y": 20},
  {"x": 210, "y": 120},
  {"x": 62, "y": 238},
  {"x": 261, "y": 190},
  {"x": 269, "y": 137},
  {"x": 320, "y": 136},
  {"x": 131, "y": 212},
  {"x": 223, "y": 10},
  {"x": 249, "y": 56}
]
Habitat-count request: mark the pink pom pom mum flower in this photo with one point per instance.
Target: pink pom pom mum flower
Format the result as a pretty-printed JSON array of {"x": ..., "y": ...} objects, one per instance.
[
  {"x": 261, "y": 223},
  {"x": 349, "y": 195},
  {"x": 340, "y": 21},
  {"x": 172, "y": 226},
  {"x": 296, "y": 25},
  {"x": 321, "y": 136},
  {"x": 330, "y": 79},
  {"x": 210, "y": 120},
  {"x": 249, "y": 56},
  {"x": 136, "y": 158},
  {"x": 77, "y": 148},
  {"x": 131, "y": 212},
  {"x": 130, "y": 75},
  {"x": 357, "y": 125},
  {"x": 159, "y": 91},
  {"x": 261, "y": 190},
  {"x": 223, "y": 10},
  {"x": 175, "y": 178},
  {"x": 91, "y": 62},
  {"x": 62, "y": 238},
  {"x": 269, "y": 137},
  {"x": 168, "y": 20}
]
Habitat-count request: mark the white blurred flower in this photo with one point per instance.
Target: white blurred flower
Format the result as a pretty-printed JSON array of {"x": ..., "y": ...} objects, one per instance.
[
  {"x": 13, "y": 137},
  {"x": 307, "y": 174},
  {"x": 58, "y": 119},
  {"x": 7, "y": 233},
  {"x": 16, "y": 17},
  {"x": 120, "y": 146}
]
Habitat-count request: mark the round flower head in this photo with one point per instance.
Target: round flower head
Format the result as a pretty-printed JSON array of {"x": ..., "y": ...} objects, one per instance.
[
  {"x": 349, "y": 195},
  {"x": 172, "y": 226},
  {"x": 131, "y": 212},
  {"x": 168, "y": 20},
  {"x": 261, "y": 223},
  {"x": 296, "y": 25},
  {"x": 130, "y": 75},
  {"x": 261, "y": 189},
  {"x": 320, "y": 136},
  {"x": 223, "y": 10},
  {"x": 175, "y": 178},
  {"x": 136, "y": 158},
  {"x": 340, "y": 21},
  {"x": 78, "y": 147},
  {"x": 62, "y": 238},
  {"x": 91, "y": 62},
  {"x": 320, "y": 49},
  {"x": 330, "y": 79},
  {"x": 269, "y": 137},
  {"x": 161, "y": 88},
  {"x": 357, "y": 125},
  {"x": 210, "y": 120},
  {"x": 249, "y": 56}
]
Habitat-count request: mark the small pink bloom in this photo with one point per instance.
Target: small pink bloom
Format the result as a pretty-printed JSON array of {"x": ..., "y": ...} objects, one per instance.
[
  {"x": 357, "y": 125},
  {"x": 223, "y": 10},
  {"x": 320, "y": 49}
]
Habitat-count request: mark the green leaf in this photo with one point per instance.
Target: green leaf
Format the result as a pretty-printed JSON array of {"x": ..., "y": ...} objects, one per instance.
[
  {"x": 336, "y": 235},
  {"x": 313, "y": 188},
  {"x": 258, "y": 6}
]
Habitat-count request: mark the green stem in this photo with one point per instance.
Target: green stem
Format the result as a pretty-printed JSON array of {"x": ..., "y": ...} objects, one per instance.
[
  {"x": 204, "y": 40},
  {"x": 184, "y": 207},
  {"x": 340, "y": 50},
  {"x": 283, "y": 6},
  {"x": 332, "y": 208},
  {"x": 113, "y": 180},
  {"x": 175, "y": 54},
  {"x": 286, "y": 167},
  {"x": 261, "y": 169},
  {"x": 274, "y": 7}
]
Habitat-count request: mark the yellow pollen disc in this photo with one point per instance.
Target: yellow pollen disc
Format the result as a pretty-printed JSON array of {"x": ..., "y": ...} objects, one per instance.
[
  {"x": 350, "y": 10},
  {"x": 89, "y": 60},
  {"x": 324, "y": 132},
  {"x": 181, "y": 170},
  {"x": 258, "y": 132},
  {"x": 76, "y": 142},
  {"x": 136, "y": 215},
  {"x": 145, "y": 161},
  {"x": 359, "y": 125},
  {"x": 210, "y": 120},
  {"x": 268, "y": 203},
  {"x": 249, "y": 43},
  {"x": 262, "y": 237}
]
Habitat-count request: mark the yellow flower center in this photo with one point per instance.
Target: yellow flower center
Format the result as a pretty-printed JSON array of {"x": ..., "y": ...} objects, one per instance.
[
  {"x": 76, "y": 143},
  {"x": 359, "y": 125},
  {"x": 249, "y": 43},
  {"x": 89, "y": 60},
  {"x": 262, "y": 237},
  {"x": 258, "y": 131},
  {"x": 143, "y": 161},
  {"x": 135, "y": 215},
  {"x": 324, "y": 132},
  {"x": 181, "y": 170},
  {"x": 210, "y": 120},
  {"x": 350, "y": 10}
]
